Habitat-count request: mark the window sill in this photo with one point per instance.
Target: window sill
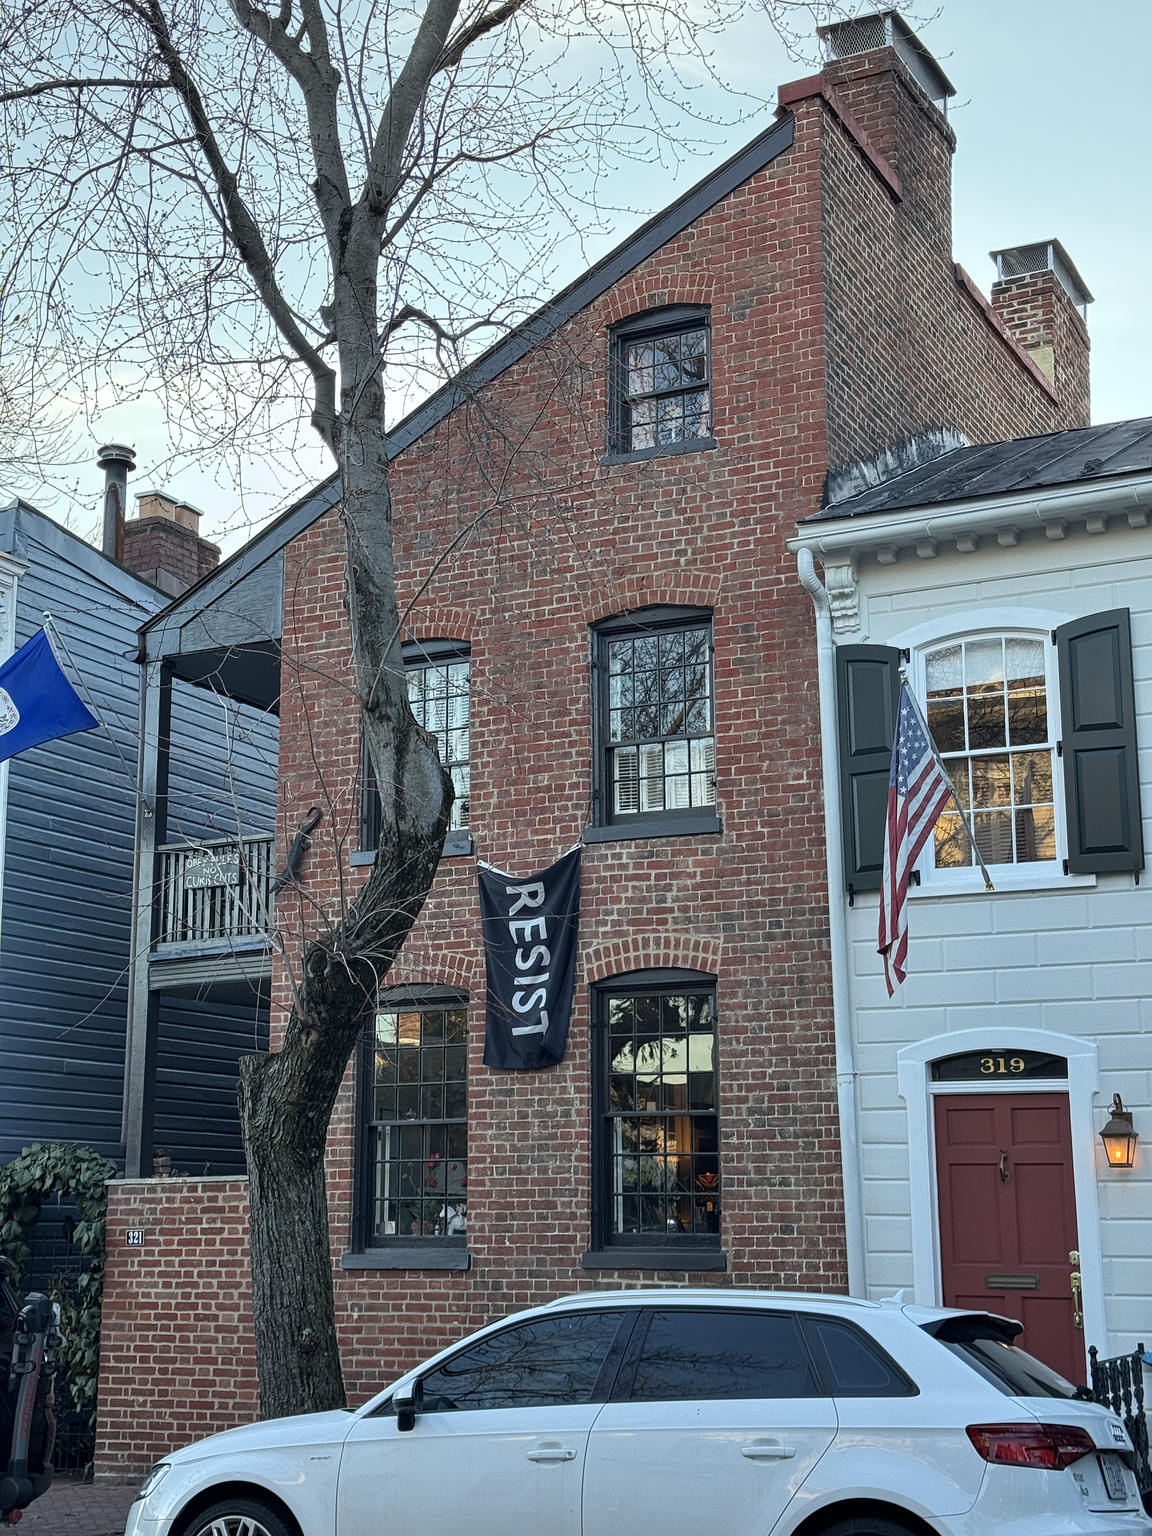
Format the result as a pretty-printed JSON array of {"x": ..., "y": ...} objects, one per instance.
[
  {"x": 456, "y": 846},
  {"x": 654, "y": 1259},
  {"x": 662, "y": 450},
  {"x": 656, "y": 826},
  {"x": 412, "y": 1257},
  {"x": 1004, "y": 878}
]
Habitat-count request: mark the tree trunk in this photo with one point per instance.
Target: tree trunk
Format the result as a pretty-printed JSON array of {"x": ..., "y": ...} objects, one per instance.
[{"x": 287, "y": 1097}]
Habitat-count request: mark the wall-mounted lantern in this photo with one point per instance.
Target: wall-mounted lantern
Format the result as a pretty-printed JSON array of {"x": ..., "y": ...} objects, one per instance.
[{"x": 1119, "y": 1136}]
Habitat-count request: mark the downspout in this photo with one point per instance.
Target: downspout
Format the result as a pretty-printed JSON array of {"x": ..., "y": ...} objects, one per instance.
[{"x": 838, "y": 930}]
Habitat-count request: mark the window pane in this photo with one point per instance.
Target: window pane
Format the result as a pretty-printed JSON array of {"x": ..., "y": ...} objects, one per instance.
[
  {"x": 547, "y": 1363},
  {"x": 704, "y": 1356},
  {"x": 852, "y": 1364},
  {"x": 984, "y": 665},
  {"x": 946, "y": 722},
  {"x": 1027, "y": 717},
  {"x": 1024, "y": 662},
  {"x": 440, "y": 698},
  {"x": 945, "y": 672}
]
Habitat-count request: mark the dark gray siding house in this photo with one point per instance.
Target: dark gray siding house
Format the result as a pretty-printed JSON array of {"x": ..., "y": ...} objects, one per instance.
[{"x": 68, "y": 812}]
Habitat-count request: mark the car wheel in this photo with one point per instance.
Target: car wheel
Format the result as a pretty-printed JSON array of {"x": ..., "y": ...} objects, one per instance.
[
  {"x": 867, "y": 1525},
  {"x": 239, "y": 1517}
]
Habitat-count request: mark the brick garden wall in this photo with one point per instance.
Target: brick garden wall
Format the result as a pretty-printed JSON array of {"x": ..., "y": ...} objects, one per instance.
[{"x": 176, "y": 1361}]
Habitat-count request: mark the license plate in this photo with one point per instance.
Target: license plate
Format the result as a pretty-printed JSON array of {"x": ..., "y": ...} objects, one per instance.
[{"x": 1114, "y": 1480}]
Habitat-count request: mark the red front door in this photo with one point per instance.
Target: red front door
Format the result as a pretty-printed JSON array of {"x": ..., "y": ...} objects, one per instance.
[{"x": 1008, "y": 1216}]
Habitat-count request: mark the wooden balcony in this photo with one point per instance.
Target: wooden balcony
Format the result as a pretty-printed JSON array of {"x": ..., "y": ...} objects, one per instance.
[{"x": 214, "y": 897}]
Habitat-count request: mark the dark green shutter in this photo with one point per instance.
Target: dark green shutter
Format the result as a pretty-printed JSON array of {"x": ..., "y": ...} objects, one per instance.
[
  {"x": 867, "y": 691},
  {"x": 1098, "y": 719}
]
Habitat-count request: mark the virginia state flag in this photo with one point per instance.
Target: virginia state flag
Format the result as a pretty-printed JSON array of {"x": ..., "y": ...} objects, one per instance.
[{"x": 37, "y": 702}]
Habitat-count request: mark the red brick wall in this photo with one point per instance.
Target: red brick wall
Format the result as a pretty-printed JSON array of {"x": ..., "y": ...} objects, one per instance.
[
  {"x": 176, "y": 1360},
  {"x": 1040, "y": 314}
]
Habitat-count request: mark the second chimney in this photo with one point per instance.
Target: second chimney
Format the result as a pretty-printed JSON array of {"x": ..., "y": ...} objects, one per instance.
[
  {"x": 162, "y": 543},
  {"x": 1043, "y": 301}
]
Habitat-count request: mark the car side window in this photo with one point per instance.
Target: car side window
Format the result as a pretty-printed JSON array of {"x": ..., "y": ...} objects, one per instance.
[
  {"x": 546, "y": 1363},
  {"x": 705, "y": 1355},
  {"x": 853, "y": 1365}
]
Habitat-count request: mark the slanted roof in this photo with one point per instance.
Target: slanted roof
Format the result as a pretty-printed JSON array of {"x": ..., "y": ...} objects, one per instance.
[
  {"x": 1079, "y": 455},
  {"x": 160, "y": 633}
]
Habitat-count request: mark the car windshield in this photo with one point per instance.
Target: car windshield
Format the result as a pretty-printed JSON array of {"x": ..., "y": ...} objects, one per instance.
[{"x": 1014, "y": 1371}]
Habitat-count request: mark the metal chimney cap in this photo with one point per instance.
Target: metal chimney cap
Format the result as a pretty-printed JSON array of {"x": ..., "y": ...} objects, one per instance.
[
  {"x": 1042, "y": 256},
  {"x": 116, "y": 453},
  {"x": 888, "y": 29}
]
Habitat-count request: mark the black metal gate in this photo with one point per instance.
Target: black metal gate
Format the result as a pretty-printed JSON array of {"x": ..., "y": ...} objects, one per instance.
[
  {"x": 54, "y": 1266},
  {"x": 1119, "y": 1384}
]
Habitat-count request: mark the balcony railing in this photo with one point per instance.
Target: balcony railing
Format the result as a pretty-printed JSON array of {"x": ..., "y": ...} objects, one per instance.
[
  {"x": 1119, "y": 1384},
  {"x": 218, "y": 892}
]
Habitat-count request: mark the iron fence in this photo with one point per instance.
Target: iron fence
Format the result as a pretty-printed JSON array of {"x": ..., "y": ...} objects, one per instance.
[
  {"x": 1118, "y": 1384},
  {"x": 218, "y": 891}
]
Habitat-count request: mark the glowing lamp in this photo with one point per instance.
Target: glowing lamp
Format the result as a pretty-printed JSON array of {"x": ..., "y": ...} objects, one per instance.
[{"x": 1119, "y": 1137}]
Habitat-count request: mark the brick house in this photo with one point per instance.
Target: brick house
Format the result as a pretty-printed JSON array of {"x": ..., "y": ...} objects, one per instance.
[{"x": 602, "y": 503}]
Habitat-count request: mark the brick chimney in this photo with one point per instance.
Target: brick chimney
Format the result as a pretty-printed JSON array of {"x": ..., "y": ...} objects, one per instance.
[
  {"x": 1043, "y": 301},
  {"x": 898, "y": 94},
  {"x": 162, "y": 544}
]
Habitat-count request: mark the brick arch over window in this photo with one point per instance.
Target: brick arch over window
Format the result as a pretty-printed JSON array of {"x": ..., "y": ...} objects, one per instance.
[
  {"x": 652, "y": 952},
  {"x": 461, "y": 972},
  {"x": 631, "y": 298},
  {"x": 688, "y": 590},
  {"x": 439, "y": 621}
]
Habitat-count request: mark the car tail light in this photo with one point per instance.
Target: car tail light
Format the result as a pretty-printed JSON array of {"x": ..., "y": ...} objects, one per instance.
[{"x": 1052, "y": 1447}]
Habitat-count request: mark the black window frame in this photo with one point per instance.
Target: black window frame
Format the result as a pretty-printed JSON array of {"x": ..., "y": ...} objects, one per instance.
[
  {"x": 633, "y": 623},
  {"x": 643, "y": 1250},
  {"x": 364, "y": 1239},
  {"x": 668, "y": 320},
  {"x": 458, "y": 840}
]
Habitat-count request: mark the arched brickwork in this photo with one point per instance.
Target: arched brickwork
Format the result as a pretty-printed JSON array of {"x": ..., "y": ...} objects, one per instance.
[
  {"x": 652, "y": 952},
  {"x": 690, "y": 590},
  {"x": 438, "y": 621},
  {"x": 446, "y": 970},
  {"x": 636, "y": 294}
]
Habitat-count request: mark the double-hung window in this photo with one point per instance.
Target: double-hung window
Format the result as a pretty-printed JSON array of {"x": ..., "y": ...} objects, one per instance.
[
  {"x": 414, "y": 1121},
  {"x": 988, "y": 711},
  {"x": 439, "y": 676},
  {"x": 656, "y": 1153},
  {"x": 661, "y": 394},
  {"x": 657, "y": 745}
]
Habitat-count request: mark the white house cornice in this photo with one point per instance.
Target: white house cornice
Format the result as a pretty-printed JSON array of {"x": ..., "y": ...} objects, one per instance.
[{"x": 925, "y": 531}]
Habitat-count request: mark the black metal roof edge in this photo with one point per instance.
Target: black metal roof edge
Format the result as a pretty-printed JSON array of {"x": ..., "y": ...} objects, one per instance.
[{"x": 581, "y": 292}]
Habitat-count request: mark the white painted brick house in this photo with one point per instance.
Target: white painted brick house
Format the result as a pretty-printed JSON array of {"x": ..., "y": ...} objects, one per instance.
[{"x": 1013, "y": 584}]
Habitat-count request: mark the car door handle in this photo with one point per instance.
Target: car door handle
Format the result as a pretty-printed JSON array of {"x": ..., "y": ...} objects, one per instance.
[
  {"x": 551, "y": 1453},
  {"x": 768, "y": 1450}
]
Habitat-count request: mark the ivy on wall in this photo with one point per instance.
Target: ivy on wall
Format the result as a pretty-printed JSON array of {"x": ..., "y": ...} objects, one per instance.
[{"x": 80, "y": 1175}]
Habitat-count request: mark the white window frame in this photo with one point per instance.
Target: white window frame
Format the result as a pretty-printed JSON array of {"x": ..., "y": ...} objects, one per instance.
[{"x": 1011, "y": 623}]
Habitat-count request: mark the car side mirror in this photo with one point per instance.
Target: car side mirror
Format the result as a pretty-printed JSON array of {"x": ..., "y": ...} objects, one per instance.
[{"x": 404, "y": 1403}]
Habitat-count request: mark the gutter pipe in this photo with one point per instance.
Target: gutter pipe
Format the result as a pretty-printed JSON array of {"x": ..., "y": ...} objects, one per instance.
[{"x": 838, "y": 932}]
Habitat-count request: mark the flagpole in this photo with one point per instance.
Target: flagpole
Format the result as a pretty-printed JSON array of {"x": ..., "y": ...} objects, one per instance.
[{"x": 988, "y": 886}]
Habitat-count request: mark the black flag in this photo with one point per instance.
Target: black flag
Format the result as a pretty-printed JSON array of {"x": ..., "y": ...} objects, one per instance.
[{"x": 530, "y": 957}]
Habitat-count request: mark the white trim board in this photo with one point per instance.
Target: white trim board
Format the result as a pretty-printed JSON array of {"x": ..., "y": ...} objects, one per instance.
[{"x": 915, "y": 1087}]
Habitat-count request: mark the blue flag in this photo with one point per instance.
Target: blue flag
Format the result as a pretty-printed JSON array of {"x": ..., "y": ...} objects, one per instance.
[{"x": 37, "y": 702}]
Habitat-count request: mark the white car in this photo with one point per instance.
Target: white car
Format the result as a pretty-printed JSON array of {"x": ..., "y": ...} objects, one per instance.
[{"x": 640, "y": 1413}]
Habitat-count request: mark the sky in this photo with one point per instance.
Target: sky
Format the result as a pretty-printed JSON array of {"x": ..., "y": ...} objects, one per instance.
[{"x": 1054, "y": 139}]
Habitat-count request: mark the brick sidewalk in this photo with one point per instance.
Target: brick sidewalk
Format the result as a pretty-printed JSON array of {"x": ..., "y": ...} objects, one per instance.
[{"x": 77, "y": 1509}]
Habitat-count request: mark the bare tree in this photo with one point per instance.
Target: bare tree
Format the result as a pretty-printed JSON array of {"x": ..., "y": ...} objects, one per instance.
[{"x": 241, "y": 207}]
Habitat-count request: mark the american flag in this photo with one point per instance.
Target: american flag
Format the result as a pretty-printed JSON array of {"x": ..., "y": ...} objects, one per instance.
[{"x": 918, "y": 790}]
